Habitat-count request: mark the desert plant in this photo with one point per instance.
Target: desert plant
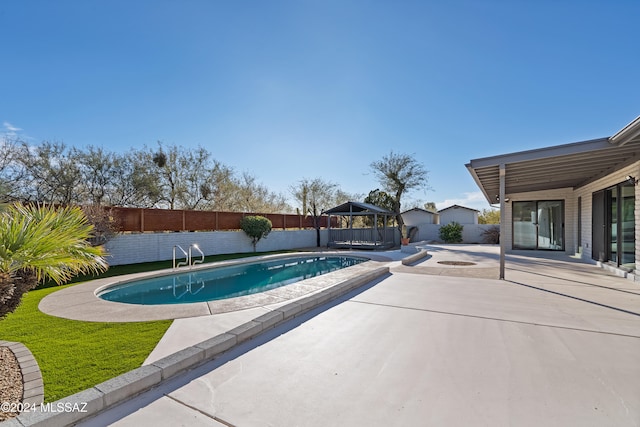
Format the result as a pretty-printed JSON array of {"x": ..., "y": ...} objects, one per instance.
[
  {"x": 256, "y": 227},
  {"x": 491, "y": 235},
  {"x": 43, "y": 242},
  {"x": 451, "y": 233}
]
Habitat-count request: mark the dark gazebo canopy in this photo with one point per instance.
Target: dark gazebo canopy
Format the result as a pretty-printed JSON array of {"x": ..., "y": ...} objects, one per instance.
[
  {"x": 372, "y": 237},
  {"x": 357, "y": 208}
]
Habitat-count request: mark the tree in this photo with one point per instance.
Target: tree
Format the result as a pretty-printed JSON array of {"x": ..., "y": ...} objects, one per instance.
[
  {"x": 399, "y": 173},
  {"x": 135, "y": 181},
  {"x": 43, "y": 242},
  {"x": 196, "y": 176},
  {"x": 256, "y": 227},
  {"x": 381, "y": 199},
  {"x": 489, "y": 216},
  {"x": 53, "y": 173},
  {"x": 251, "y": 196},
  {"x": 12, "y": 171},
  {"x": 99, "y": 172},
  {"x": 431, "y": 207},
  {"x": 220, "y": 187},
  {"x": 168, "y": 169},
  {"x": 315, "y": 196}
]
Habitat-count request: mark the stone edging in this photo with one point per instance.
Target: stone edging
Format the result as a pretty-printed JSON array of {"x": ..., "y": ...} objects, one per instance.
[
  {"x": 33, "y": 387},
  {"x": 422, "y": 253},
  {"x": 116, "y": 390}
]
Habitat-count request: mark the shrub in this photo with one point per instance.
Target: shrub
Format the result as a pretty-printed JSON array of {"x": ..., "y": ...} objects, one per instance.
[
  {"x": 491, "y": 235},
  {"x": 451, "y": 233},
  {"x": 256, "y": 227}
]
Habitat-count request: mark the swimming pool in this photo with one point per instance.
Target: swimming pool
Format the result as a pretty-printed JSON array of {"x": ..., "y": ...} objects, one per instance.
[{"x": 224, "y": 282}]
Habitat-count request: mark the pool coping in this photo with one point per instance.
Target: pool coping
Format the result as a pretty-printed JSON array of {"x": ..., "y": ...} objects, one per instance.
[
  {"x": 80, "y": 302},
  {"x": 123, "y": 387}
]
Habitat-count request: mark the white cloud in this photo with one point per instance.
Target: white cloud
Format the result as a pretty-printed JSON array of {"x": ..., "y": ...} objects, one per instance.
[{"x": 11, "y": 129}]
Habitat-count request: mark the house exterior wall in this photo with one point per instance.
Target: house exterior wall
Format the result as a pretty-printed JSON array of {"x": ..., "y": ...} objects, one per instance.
[
  {"x": 428, "y": 224},
  {"x": 459, "y": 215},
  {"x": 148, "y": 247},
  {"x": 586, "y": 194},
  {"x": 414, "y": 218},
  {"x": 565, "y": 194},
  {"x": 570, "y": 197}
]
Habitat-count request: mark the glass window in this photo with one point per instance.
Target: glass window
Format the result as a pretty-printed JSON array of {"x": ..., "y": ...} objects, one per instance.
[
  {"x": 627, "y": 226},
  {"x": 619, "y": 225},
  {"x": 538, "y": 225}
]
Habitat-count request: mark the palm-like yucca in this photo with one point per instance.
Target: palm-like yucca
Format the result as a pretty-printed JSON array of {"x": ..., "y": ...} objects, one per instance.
[{"x": 43, "y": 242}]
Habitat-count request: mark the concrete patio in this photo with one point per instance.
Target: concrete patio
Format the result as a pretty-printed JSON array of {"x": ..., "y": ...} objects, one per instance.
[{"x": 556, "y": 344}]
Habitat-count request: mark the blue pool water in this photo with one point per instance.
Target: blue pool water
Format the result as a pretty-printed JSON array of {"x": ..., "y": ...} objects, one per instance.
[{"x": 224, "y": 282}]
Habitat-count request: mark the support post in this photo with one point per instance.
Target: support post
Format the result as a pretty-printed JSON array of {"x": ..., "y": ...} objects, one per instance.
[
  {"x": 375, "y": 229},
  {"x": 351, "y": 224},
  {"x": 503, "y": 225}
]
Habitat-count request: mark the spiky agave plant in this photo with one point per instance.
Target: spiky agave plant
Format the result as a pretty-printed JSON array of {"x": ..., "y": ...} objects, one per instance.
[{"x": 43, "y": 242}]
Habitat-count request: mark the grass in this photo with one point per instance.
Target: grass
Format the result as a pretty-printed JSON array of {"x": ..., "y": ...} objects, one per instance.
[{"x": 74, "y": 355}]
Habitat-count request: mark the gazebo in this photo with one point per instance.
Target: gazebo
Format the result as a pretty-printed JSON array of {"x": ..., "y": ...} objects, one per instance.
[{"x": 373, "y": 237}]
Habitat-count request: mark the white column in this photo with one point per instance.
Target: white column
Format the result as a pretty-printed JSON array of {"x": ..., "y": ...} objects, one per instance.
[{"x": 503, "y": 225}]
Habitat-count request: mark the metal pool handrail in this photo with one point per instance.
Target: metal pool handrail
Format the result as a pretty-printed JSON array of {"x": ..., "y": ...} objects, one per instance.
[
  {"x": 198, "y": 261},
  {"x": 187, "y": 260}
]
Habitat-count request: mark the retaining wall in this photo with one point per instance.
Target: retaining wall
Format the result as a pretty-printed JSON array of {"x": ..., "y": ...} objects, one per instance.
[{"x": 148, "y": 247}]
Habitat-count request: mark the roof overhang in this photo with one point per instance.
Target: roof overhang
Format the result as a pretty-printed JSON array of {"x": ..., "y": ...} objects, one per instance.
[
  {"x": 562, "y": 166},
  {"x": 628, "y": 134}
]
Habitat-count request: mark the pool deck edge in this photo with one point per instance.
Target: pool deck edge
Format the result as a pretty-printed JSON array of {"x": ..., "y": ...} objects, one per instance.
[
  {"x": 79, "y": 302},
  {"x": 139, "y": 380}
]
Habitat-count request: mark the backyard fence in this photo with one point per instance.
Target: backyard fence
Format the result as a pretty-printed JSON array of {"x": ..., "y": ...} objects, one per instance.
[{"x": 156, "y": 220}]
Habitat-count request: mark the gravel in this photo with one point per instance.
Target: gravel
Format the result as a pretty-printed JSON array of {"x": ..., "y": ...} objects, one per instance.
[{"x": 10, "y": 381}]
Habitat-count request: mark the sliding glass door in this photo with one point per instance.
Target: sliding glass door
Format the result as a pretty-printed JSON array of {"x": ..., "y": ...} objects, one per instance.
[
  {"x": 614, "y": 225},
  {"x": 538, "y": 225},
  {"x": 621, "y": 225},
  {"x": 627, "y": 244}
]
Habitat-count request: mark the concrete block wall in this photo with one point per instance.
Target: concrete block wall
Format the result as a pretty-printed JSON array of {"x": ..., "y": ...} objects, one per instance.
[
  {"x": 148, "y": 247},
  {"x": 471, "y": 233}
]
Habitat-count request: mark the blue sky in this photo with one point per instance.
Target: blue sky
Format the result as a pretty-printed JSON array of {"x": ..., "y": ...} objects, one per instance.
[{"x": 302, "y": 89}]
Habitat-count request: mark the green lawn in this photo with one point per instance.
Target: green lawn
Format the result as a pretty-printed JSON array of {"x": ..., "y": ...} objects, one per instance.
[{"x": 75, "y": 355}]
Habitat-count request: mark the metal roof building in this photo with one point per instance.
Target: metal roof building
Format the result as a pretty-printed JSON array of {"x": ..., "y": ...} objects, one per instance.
[
  {"x": 581, "y": 198},
  {"x": 377, "y": 236}
]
